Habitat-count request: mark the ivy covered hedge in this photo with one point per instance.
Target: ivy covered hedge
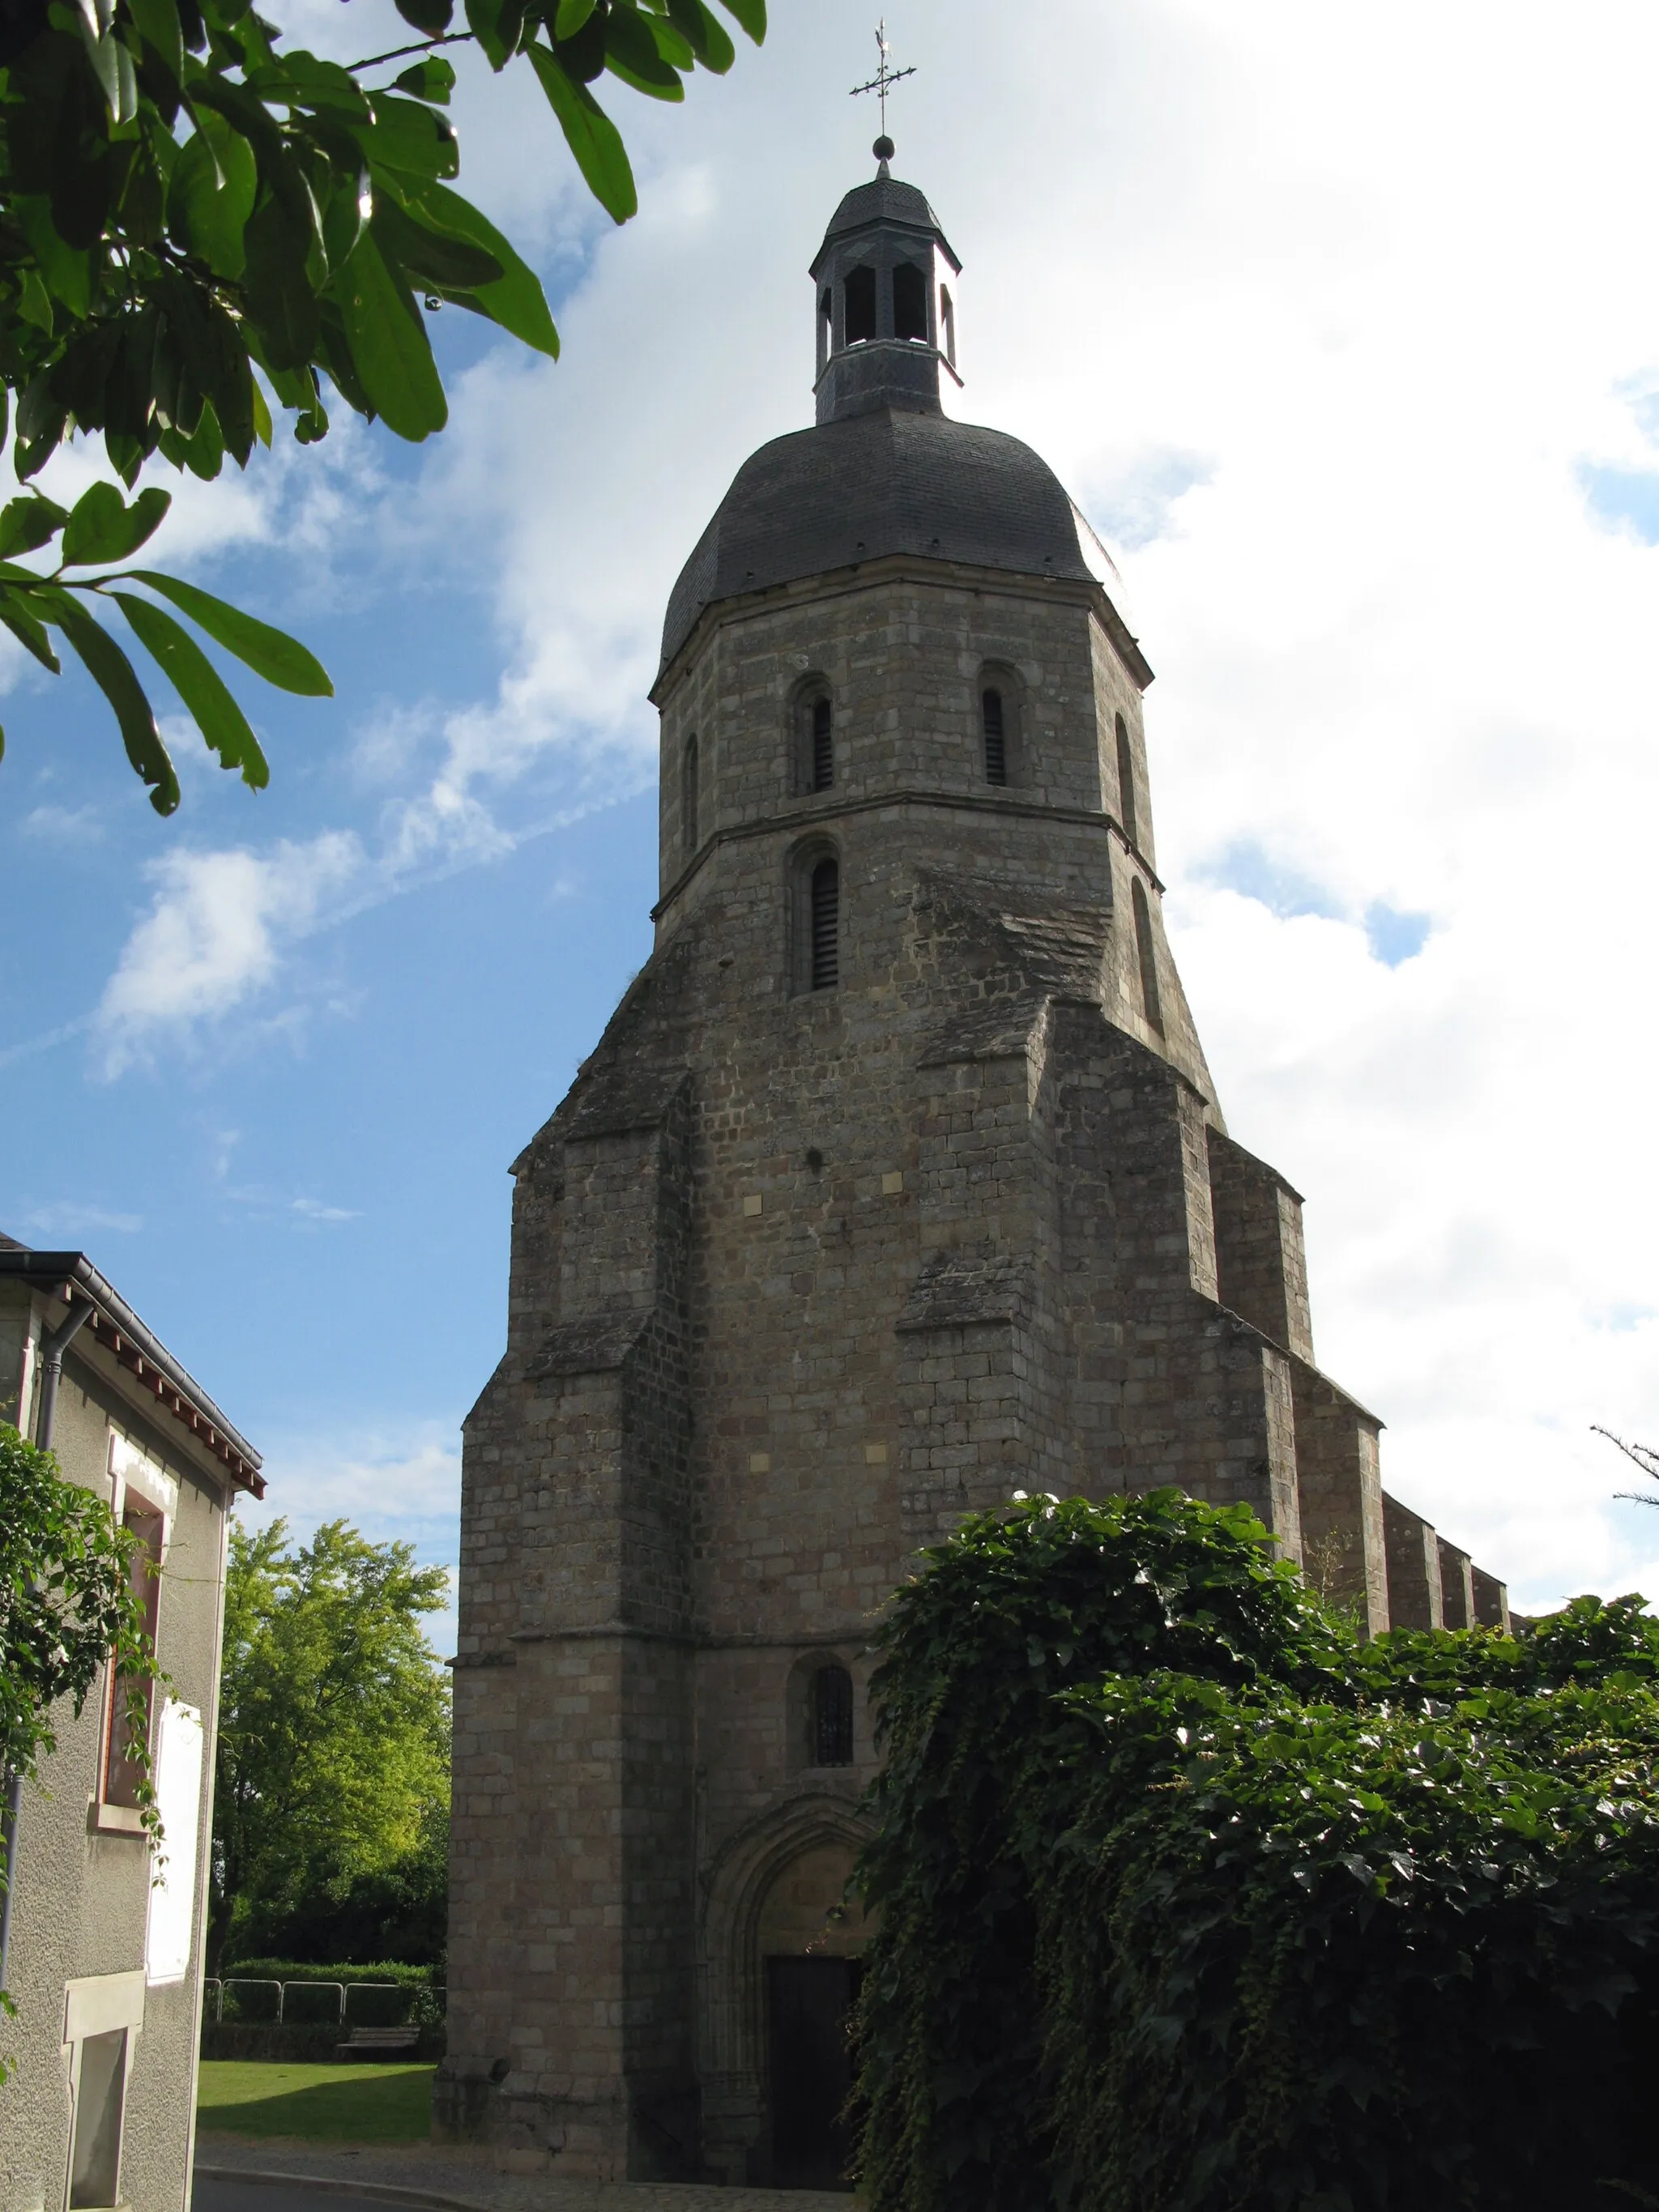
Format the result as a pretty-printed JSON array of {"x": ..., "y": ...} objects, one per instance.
[{"x": 1191, "y": 1901}]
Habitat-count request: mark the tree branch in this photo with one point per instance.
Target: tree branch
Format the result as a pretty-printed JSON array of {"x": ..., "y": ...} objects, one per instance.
[
  {"x": 420, "y": 46},
  {"x": 1642, "y": 1456}
]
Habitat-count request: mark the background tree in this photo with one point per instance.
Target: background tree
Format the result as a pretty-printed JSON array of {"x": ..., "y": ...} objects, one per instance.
[
  {"x": 199, "y": 226},
  {"x": 332, "y": 1779},
  {"x": 68, "y": 1603}
]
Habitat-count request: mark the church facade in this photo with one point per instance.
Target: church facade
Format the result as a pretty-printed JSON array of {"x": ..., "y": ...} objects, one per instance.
[{"x": 897, "y": 1183}]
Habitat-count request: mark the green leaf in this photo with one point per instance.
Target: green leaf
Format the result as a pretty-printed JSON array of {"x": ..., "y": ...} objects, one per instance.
[
  {"x": 497, "y": 26},
  {"x": 433, "y": 80},
  {"x": 277, "y": 285},
  {"x": 111, "y": 671},
  {"x": 674, "y": 47},
  {"x": 302, "y": 79},
  {"x": 201, "y": 687},
  {"x": 26, "y": 524},
  {"x": 158, "y": 25},
  {"x": 516, "y": 301},
  {"x": 570, "y": 17},
  {"x": 211, "y": 195},
  {"x": 631, "y": 53},
  {"x": 409, "y": 138},
  {"x": 65, "y": 270},
  {"x": 705, "y": 35},
  {"x": 281, "y": 659},
  {"x": 102, "y": 527},
  {"x": 750, "y": 15},
  {"x": 29, "y": 630},
  {"x": 432, "y": 16},
  {"x": 445, "y": 262},
  {"x": 389, "y": 344},
  {"x": 591, "y": 135}
]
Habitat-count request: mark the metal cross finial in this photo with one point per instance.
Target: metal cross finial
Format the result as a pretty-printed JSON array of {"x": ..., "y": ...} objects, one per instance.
[{"x": 884, "y": 78}]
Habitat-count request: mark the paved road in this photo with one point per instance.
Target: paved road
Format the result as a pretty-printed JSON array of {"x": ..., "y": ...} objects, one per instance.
[
  {"x": 303, "y": 2196},
  {"x": 419, "y": 2177}
]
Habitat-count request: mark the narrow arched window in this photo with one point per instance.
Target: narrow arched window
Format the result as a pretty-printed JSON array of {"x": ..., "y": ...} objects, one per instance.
[
  {"x": 909, "y": 301},
  {"x": 823, "y": 762},
  {"x": 826, "y": 327},
  {"x": 996, "y": 727},
  {"x": 688, "y": 794},
  {"x": 1125, "y": 782},
  {"x": 824, "y": 925},
  {"x": 859, "y": 305},
  {"x": 1147, "y": 956},
  {"x": 947, "y": 315},
  {"x": 829, "y": 1719}
]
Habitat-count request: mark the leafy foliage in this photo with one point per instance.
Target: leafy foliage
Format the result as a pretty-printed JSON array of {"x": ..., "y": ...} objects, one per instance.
[
  {"x": 67, "y": 1605},
  {"x": 1191, "y": 1899},
  {"x": 196, "y": 221},
  {"x": 332, "y": 1781}
]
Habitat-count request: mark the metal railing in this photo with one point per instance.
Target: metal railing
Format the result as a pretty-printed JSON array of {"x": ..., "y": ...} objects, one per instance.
[{"x": 419, "y": 1998}]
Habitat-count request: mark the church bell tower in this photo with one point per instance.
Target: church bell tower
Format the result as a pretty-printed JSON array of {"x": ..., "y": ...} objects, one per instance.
[{"x": 897, "y": 1183}]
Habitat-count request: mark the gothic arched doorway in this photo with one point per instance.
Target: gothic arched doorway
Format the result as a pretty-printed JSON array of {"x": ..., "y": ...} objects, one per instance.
[
  {"x": 810, "y": 1937},
  {"x": 775, "y": 1890}
]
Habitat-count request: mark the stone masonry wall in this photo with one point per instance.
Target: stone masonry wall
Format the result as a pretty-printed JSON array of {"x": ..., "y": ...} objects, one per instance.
[{"x": 798, "y": 1278}]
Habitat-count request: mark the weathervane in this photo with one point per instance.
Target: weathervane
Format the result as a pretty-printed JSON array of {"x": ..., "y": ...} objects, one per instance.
[{"x": 882, "y": 80}]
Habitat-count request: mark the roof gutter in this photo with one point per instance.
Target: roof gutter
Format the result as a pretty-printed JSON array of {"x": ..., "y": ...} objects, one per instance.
[{"x": 119, "y": 1329}]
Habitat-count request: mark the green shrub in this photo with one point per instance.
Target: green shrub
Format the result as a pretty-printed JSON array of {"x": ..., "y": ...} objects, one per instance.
[{"x": 1192, "y": 1902}]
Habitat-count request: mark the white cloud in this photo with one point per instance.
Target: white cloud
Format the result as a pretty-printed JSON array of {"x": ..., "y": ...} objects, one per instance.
[
  {"x": 1336, "y": 331},
  {"x": 214, "y": 933},
  {"x": 69, "y": 1218},
  {"x": 63, "y": 825}
]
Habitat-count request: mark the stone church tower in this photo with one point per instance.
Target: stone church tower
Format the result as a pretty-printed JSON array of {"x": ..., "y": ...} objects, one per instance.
[{"x": 897, "y": 1182}]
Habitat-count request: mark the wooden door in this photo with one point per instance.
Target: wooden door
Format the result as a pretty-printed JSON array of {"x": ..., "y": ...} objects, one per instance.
[{"x": 809, "y": 2004}]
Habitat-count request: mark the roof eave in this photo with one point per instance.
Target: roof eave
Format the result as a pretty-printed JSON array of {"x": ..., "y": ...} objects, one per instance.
[
  {"x": 117, "y": 1328},
  {"x": 1127, "y": 645}
]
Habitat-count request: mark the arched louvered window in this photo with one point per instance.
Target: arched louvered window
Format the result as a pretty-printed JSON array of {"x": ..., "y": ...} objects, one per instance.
[
  {"x": 823, "y": 762},
  {"x": 829, "y": 1718},
  {"x": 689, "y": 795},
  {"x": 1126, "y": 783},
  {"x": 824, "y": 925},
  {"x": 994, "y": 724},
  {"x": 1146, "y": 952},
  {"x": 910, "y": 302},
  {"x": 859, "y": 305}
]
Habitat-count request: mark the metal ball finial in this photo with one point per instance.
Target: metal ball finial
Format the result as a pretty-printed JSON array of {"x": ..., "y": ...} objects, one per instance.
[{"x": 883, "y": 149}]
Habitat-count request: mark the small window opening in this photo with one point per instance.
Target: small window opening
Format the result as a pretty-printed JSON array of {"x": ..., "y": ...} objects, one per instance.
[
  {"x": 826, "y": 325},
  {"x": 1125, "y": 782},
  {"x": 826, "y": 926},
  {"x": 996, "y": 737},
  {"x": 100, "y": 2094},
  {"x": 689, "y": 795},
  {"x": 830, "y": 1720},
  {"x": 130, "y": 1716},
  {"x": 859, "y": 299},
  {"x": 823, "y": 762},
  {"x": 1148, "y": 957},
  {"x": 910, "y": 302},
  {"x": 947, "y": 315}
]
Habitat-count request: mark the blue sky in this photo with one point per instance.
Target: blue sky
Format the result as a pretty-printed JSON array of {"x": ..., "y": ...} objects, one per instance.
[{"x": 1269, "y": 301}]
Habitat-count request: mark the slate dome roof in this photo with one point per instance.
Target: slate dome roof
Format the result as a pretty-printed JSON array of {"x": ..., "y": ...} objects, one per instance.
[
  {"x": 888, "y": 482},
  {"x": 883, "y": 199}
]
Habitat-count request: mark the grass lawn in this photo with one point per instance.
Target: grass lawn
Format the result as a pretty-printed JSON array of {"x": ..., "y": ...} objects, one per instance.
[{"x": 358, "y": 2104}]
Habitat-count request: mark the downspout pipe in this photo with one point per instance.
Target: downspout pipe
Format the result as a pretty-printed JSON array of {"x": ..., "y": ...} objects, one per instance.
[{"x": 52, "y": 1348}]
